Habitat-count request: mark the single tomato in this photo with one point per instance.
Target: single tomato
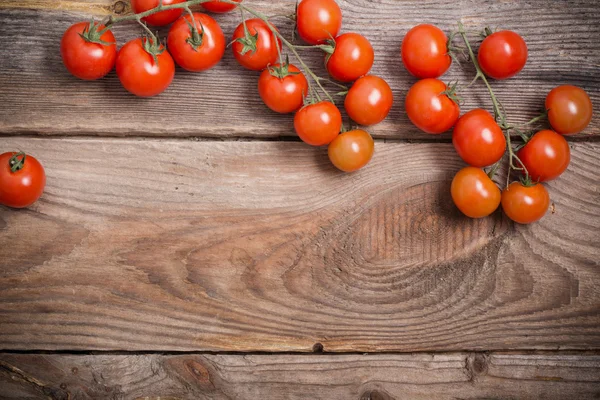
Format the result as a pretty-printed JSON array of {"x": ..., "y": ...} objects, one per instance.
[
  {"x": 318, "y": 20},
  {"x": 525, "y": 204},
  {"x": 478, "y": 139},
  {"x": 22, "y": 180},
  {"x": 569, "y": 109},
  {"x": 139, "y": 72},
  {"x": 425, "y": 51},
  {"x": 369, "y": 100},
  {"x": 502, "y": 54},
  {"x": 283, "y": 89},
  {"x": 351, "y": 150},
  {"x": 196, "y": 45},
  {"x": 258, "y": 49},
  {"x": 474, "y": 193},
  {"x": 352, "y": 57},
  {"x": 318, "y": 124},
  {"x": 218, "y": 6},
  {"x": 88, "y": 51},
  {"x": 546, "y": 156},
  {"x": 159, "y": 19},
  {"x": 429, "y": 108}
]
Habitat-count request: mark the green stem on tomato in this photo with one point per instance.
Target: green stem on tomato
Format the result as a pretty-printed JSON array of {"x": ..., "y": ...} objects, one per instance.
[{"x": 498, "y": 108}]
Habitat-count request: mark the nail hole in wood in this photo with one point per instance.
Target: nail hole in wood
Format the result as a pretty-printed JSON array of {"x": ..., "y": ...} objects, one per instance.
[
  {"x": 119, "y": 7},
  {"x": 317, "y": 348}
]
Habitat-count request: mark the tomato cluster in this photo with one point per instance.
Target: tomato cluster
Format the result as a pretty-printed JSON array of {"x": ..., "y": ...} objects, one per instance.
[
  {"x": 479, "y": 138},
  {"x": 196, "y": 43}
]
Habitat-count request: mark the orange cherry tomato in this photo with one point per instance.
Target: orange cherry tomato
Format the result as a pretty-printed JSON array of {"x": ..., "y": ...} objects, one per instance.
[
  {"x": 478, "y": 139},
  {"x": 525, "y": 204},
  {"x": 502, "y": 54},
  {"x": 218, "y": 6},
  {"x": 425, "y": 51},
  {"x": 546, "y": 156},
  {"x": 429, "y": 109},
  {"x": 351, "y": 150},
  {"x": 474, "y": 193},
  {"x": 22, "y": 180},
  {"x": 569, "y": 109},
  {"x": 352, "y": 57},
  {"x": 318, "y": 20},
  {"x": 283, "y": 95},
  {"x": 159, "y": 19},
  {"x": 318, "y": 124},
  {"x": 369, "y": 100}
]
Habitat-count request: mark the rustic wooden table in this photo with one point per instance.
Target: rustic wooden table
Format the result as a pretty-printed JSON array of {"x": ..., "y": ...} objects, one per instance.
[{"x": 184, "y": 240}]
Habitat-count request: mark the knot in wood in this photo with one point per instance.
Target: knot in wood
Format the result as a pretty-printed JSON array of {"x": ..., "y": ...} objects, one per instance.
[{"x": 119, "y": 7}]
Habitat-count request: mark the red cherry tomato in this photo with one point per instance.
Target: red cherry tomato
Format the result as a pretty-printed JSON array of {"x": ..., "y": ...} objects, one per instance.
[
  {"x": 351, "y": 150},
  {"x": 283, "y": 94},
  {"x": 478, "y": 139},
  {"x": 318, "y": 20},
  {"x": 352, "y": 57},
  {"x": 474, "y": 193},
  {"x": 139, "y": 73},
  {"x": 425, "y": 51},
  {"x": 502, "y": 54},
  {"x": 318, "y": 124},
  {"x": 265, "y": 52},
  {"x": 570, "y": 109},
  {"x": 546, "y": 156},
  {"x": 218, "y": 6},
  {"x": 159, "y": 19},
  {"x": 525, "y": 204},
  {"x": 22, "y": 180},
  {"x": 369, "y": 100},
  {"x": 429, "y": 109},
  {"x": 196, "y": 53},
  {"x": 88, "y": 60}
]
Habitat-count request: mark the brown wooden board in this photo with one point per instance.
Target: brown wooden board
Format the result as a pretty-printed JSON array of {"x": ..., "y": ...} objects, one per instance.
[
  {"x": 361, "y": 377},
  {"x": 38, "y": 96},
  {"x": 263, "y": 246}
]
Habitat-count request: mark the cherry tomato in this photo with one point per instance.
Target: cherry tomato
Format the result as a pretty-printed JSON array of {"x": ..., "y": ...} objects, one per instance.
[
  {"x": 525, "y": 204},
  {"x": 84, "y": 59},
  {"x": 139, "y": 73},
  {"x": 198, "y": 53},
  {"x": 429, "y": 109},
  {"x": 283, "y": 89},
  {"x": 502, "y": 54},
  {"x": 255, "y": 54},
  {"x": 546, "y": 156},
  {"x": 218, "y": 6},
  {"x": 425, "y": 51},
  {"x": 369, "y": 100},
  {"x": 159, "y": 19},
  {"x": 351, "y": 150},
  {"x": 570, "y": 109},
  {"x": 474, "y": 193},
  {"x": 22, "y": 180},
  {"x": 318, "y": 20},
  {"x": 352, "y": 57},
  {"x": 478, "y": 139},
  {"x": 318, "y": 124}
]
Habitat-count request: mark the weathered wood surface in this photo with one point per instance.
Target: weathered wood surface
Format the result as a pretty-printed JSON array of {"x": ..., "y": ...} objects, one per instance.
[
  {"x": 242, "y": 246},
  {"x": 361, "y": 377},
  {"x": 39, "y": 97}
]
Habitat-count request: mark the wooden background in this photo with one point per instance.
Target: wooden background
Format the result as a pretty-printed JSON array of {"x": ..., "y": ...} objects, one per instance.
[{"x": 187, "y": 246}]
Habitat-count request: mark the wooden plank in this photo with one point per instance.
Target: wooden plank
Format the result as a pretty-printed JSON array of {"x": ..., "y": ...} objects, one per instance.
[
  {"x": 365, "y": 377},
  {"x": 241, "y": 246},
  {"x": 39, "y": 96}
]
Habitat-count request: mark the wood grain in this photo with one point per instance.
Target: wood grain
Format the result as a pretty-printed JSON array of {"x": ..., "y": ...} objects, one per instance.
[
  {"x": 344, "y": 377},
  {"x": 242, "y": 246},
  {"x": 39, "y": 97}
]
